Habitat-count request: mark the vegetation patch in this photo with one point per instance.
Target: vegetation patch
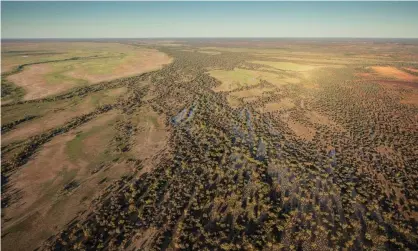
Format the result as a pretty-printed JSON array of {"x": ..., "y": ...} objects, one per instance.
[
  {"x": 240, "y": 78},
  {"x": 287, "y": 66}
]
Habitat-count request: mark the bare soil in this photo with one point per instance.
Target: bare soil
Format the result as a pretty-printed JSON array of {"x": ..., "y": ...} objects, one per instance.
[
  {"x": 388, "y": 71},
  {"x": 34, "y": 83},
  {"x": 44, "y": 204}
]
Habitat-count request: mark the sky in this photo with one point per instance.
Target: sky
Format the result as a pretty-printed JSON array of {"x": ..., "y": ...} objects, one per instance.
[{"x": 208, "y": 19}]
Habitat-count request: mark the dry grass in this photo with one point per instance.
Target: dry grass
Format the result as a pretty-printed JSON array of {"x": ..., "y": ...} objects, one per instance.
[
  {"x": 283, "y": 104},
  {"x": 111, "y": 61},
  {"x": 17, "y": 53},
  {"x": 287, "y": 66},
  {"x": 301, "y": 131},
  {"x": 45, "y": 205},
  {"x": 392, "y": 72},
  {"x": 318, "y": 118},
  {"x": 247, "y": 95},
  {"x": 210, "y": 52},
  {"x": 152, "y": 137},
  {"x": 136, "y": 63},
  {"x": 36, "y": 86},
  {"x": 258, "y": 92},
  {"x": 237, "y": 78},
  {"x": 234, "y": 79},
  {"x": 317, "y": 59},
  {"x": 233, "y": 101},
  {"x": 410, "y": 99},
  {"x": 53, "y": 119}
]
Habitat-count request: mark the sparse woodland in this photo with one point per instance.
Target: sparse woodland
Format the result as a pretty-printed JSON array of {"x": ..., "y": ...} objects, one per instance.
[{"x": 241, "y": 178}]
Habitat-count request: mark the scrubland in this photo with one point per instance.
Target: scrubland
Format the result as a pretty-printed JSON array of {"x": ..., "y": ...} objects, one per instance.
[{"x": 203, "y": 145}]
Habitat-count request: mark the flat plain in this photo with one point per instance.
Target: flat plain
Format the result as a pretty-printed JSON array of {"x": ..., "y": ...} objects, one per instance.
[{"x": 210, "y": 145}]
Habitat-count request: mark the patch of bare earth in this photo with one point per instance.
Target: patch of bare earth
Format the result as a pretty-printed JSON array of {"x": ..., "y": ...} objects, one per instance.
[
  {"x": 233, "y": 101},
  {"x": 318, "y": 118},
  {"x": 283, "y": 104},
  {"x": 46, "y": 205},
  {"x": 410, "y": 99},
  {"x": 152, "y": 138},
  {"x": 302, "y": 131},
  {"x": 392, "y": 72},
  {"x": 32, "y": 80},
  {"x": 55, "y": 119}
]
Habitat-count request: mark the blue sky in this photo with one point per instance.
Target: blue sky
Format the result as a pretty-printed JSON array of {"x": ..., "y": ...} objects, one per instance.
[{"x": 208, "y": 19}]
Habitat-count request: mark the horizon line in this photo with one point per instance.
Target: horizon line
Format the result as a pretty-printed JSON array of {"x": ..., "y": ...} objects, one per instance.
[{"x": 63, "y": 38}]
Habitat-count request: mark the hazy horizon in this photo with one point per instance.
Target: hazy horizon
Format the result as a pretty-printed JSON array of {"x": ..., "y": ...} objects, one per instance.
[{"x": 140, "y": 20}]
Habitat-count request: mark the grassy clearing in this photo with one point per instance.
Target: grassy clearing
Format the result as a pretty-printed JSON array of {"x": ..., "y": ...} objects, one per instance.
[
  {"x": 89, "y": 145},
  {"x": 286, "y": 66},
  {"x": 244, "y": 50},
  {"x": 312, "y": 60},
  {"x": 47, "y": 204},
  {"x": 16, "y": 112},
  {"x": 237, "y": 78},
  {"x": 122, "y": 65},
  {"x": 40, "y": 81},
  {"x": 14, "y": 54},
  {"x": 152, "y": 136},
  {"x": 234, "y": 79},
  {"x": 247, "y": 95},
  {"x": 301, "y": 131},
  {"x": 233, "y": 101},
  {"x": 90, "y": 63},
  {"x": 283, "y": 104},
  {"x": 53, "y": 114},
  {"x": 210, "y": 52},
  {"x": 258, "y": 92}
]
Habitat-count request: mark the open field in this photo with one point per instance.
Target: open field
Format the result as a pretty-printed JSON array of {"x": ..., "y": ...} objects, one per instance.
[
  {"x": 392, "y": 72},
  {"x": 286, "y": 66},
  {"x": 88, "y": 63},
  {"x": 60, "y": 116},
  {"x": 216, "y": 144}
]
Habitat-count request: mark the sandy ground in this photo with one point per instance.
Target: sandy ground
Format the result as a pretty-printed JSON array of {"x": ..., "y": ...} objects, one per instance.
[
  {"x": 393, "y": 72},
  {"x": 33, "y": 82},
  {"x": 55, "y": 119},
  {"x": 144, "y": 61},
  {"x": 283, "y": 104},
  {"x": 302, "y": 131},
  {"x": 44, "y": 206},
  {"x": 152, "y": 137},
  {"x": 410, "y": 98}
]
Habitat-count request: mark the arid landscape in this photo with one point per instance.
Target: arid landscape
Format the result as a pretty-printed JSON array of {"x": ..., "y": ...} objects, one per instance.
[{"x": 210, "y": 144}]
